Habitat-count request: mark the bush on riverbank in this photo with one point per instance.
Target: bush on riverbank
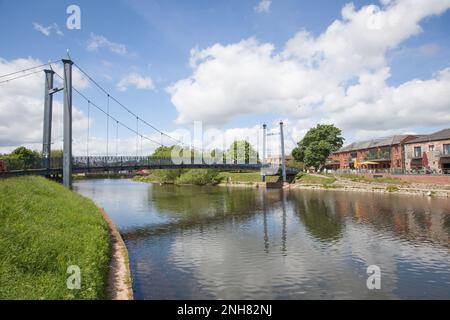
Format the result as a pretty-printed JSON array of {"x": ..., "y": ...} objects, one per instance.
[
  {"x": 178, "y": 176},
  {"x": 203, "y": 177},
  {"x": 161, "y": 176},
  {"x": 44, "y": 229},
  {"x": 199, "y": 177},
  {"x": 391, "y": 189}
]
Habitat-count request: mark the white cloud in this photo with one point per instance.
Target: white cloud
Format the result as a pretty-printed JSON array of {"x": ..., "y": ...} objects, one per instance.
[
  {"x": 44, "y": 30},
  {"x": 47, "y": 30},
  {"x": 240, "y": 79},
  {"x": 137, "y": 81},
  {"x": 57, "y": 30},
  {"x": 373, "y": 105},
  {"x": 263, "y": 6},
  {"x": 310, "y": 77},
  {"x": 97, "y": 42}
]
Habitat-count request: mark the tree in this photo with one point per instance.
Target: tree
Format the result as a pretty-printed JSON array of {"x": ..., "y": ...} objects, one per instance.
[
  {"x": 162, "y": 152},
  {"x": 26, "y": 156},
  {"x": 57, "y": 153},
  {"x": 317, "y": 145},
  {"x": 240, "y": 151}
]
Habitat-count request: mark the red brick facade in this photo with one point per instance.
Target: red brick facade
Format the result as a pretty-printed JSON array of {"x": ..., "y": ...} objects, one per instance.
[{"x": 387, "y": 153}]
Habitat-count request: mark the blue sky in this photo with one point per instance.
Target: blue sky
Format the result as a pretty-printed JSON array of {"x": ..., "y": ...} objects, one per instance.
[{"x": 159, "y": 35}]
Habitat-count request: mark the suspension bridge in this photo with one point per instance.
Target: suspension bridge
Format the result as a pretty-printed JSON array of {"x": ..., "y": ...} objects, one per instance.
[{"x": 69, "y": 164}]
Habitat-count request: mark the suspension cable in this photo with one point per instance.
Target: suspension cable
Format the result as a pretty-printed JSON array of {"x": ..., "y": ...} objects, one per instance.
[
  {"x": 137, "y": 136},
  {"x": 107, "y": 128},
  {"x": 88, "y": 128},
  {"x": 122, "y": 105},
  {"x": 21, "y": 76},
  {"x": 28, "y": 69},
  {"x": 104, "y": 112},
  {"x": 117, "y": 138}
]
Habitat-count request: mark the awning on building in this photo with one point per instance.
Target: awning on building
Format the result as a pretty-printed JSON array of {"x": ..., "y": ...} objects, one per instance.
[{"x": 369, "y": 162}]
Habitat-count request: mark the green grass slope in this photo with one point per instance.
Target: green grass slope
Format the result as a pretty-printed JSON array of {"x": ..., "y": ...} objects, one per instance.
[{"x": 44, "y": 229}]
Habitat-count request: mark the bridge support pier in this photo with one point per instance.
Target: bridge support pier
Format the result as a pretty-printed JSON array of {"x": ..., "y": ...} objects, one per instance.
[
  {"x": 48, "y": 110},
  {"x": 283, "y": 156},
  {"x": 67, "y": 158},
  {"x": 263, "y": 173}
]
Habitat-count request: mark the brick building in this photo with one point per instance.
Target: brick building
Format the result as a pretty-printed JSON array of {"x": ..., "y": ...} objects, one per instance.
[
  {"x": 431, "y": 152},
  {"x": 375, "y": 154}
]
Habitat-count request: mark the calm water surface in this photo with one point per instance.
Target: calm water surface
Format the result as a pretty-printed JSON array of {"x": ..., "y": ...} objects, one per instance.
[{"x": 243, "y": 243}]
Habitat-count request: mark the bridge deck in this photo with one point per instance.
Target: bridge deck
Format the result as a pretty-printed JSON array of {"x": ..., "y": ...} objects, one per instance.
[{"x": 117, "y": 164}]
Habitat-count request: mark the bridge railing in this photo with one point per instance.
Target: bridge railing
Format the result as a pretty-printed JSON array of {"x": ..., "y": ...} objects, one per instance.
[
  {"x": 136, "y": 162},
  {"x": 118, "y": 162},
  {"x": 9, "y": 164},
  {"x": 86, "y": 164}
]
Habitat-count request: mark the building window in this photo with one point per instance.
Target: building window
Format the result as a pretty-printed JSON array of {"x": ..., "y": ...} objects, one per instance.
[
  {"x": 446, "y": 148},
  {"x": 417, "y": 152},
  {"x": 431, "y": 147}
]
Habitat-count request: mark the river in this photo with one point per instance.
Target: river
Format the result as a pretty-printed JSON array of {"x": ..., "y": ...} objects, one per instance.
[{"x": 188, "y": 242}]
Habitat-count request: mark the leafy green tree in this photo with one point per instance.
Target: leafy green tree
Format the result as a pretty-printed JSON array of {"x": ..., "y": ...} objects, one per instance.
[
  {"x": 167, "y": 152},
  {"x": 162, "y": 152},
  {"x": 215, "y": 154},
  {"x": 27, "y": 157},
  {"x": 57, "y": 154},
  {"x": 241, "y": 151},
  {"x": 317, "y": 145}
]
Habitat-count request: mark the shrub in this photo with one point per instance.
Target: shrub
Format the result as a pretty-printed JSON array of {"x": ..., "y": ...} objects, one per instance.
[
  {"x": 392, "y": 189},
  {"x": 300, "y": 175},
  {"x": 162, "y": 175},
  {"x": 199, "y": 177}
]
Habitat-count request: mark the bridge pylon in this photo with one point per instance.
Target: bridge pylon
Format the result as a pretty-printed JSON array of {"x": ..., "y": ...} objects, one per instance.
[
  {"x": 263, "y": 174},
  {"x": 67, "y": 115},
  {"x": 48, "y": 110},
  {"x": 283, "y": 155}
]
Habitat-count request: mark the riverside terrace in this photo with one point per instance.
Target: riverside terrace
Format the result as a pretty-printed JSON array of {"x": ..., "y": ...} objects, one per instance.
[{"x": 398, "y": 154}]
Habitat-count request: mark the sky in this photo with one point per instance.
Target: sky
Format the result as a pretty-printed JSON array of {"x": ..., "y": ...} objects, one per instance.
[{"x": 372, "y": 68}]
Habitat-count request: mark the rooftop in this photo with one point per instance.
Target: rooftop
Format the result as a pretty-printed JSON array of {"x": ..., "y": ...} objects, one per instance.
[
  {"x": 374, "y": 143},
  {"x": 440, "y": 135}
]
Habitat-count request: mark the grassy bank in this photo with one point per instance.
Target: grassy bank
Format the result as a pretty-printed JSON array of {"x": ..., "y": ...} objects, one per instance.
[
  {"x": 357, "y": 178},
  {"x": 355, "y": 183},
  {"x": 44, "y": 229},
  {"x": 202, "y": 177},
  {"x": 304, "y": 178}
]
